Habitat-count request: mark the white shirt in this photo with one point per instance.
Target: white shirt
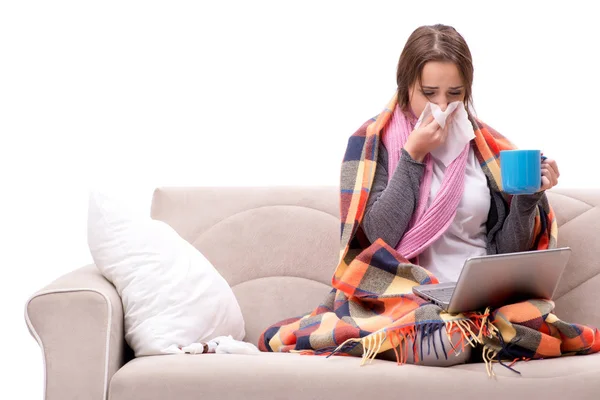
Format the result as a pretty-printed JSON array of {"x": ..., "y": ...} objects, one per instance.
[{"x": 466, "y": 235}]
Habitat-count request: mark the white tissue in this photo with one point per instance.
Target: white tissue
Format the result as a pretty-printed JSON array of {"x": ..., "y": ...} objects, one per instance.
[
  {"x": 460, "y": 129},
  {"x": 222, "y": 345},
  {"x": 228, "y": 345}
]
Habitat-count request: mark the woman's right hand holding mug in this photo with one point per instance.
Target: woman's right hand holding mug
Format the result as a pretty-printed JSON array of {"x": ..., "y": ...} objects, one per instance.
[{"x": 427, "y": 137}]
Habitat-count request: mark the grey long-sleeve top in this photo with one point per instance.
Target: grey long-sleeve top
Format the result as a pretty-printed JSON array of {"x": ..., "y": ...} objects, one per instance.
[{"x": 391, "y": 206}]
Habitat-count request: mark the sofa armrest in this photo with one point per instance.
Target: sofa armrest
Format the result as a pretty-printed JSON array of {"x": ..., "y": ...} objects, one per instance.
[{"x": 78, "y": 322}]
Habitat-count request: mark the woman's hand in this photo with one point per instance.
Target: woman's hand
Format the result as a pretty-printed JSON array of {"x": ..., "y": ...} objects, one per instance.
[
  {"x": 550, "y": 174},
  {"x": 428, "y": 136}
]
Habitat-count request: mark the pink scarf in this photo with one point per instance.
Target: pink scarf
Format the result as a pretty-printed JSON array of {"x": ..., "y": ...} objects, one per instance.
[{"x": 427, "y": 224}]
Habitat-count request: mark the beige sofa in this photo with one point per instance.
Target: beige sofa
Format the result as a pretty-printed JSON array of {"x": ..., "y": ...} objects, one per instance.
[{"x": 277, "y": 247}]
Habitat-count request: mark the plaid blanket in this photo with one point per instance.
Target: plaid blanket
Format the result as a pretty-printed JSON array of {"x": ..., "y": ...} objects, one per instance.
[{"x": 371, "y": 308}]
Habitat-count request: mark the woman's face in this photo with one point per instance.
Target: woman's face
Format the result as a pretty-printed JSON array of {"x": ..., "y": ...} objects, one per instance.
[{"x": 441, "y": 84}]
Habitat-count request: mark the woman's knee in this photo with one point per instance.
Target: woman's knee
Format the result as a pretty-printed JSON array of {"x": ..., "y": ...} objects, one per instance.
[
  {"x": 438, "y": 350},
  {"x": 434, "y": 350}
]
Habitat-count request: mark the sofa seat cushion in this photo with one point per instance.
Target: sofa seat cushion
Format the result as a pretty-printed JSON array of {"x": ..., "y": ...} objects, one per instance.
[{"x": 292, "y": 376}]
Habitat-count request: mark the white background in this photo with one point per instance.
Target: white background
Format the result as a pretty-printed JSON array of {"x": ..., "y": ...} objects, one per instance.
[{"x": 134, "y": 95}]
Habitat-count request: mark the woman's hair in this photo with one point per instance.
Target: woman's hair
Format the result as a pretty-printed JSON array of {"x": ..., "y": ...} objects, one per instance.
[{"x": 432, "y": 43}]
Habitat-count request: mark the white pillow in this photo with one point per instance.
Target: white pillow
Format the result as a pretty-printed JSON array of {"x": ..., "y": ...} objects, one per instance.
[{"x": 172, "y": 295}]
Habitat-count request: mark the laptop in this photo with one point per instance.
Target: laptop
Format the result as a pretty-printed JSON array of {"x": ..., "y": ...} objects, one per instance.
[{"x": 497, "y": 280}]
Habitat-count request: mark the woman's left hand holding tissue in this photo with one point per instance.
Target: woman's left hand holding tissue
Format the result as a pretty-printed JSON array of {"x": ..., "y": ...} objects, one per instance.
[{"x": 550, "y": 174}]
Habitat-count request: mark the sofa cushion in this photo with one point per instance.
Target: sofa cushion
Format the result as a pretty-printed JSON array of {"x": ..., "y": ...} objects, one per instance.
[{"x": 292, "y": 376}]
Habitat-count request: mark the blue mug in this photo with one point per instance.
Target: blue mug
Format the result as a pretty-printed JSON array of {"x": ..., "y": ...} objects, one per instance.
[{"x": 521, "y": 171}]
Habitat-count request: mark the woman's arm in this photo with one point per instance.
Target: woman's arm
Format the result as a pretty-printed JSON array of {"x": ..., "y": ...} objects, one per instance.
[
  {"x": 512, "y": 233},
  {"x": 390, "y": 206}
]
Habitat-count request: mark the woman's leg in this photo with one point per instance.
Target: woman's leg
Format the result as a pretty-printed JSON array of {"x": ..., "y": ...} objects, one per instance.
[{"x": 428, "y": 346}]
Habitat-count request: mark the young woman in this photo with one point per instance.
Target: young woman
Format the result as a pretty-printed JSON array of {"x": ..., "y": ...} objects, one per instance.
[
  {"x": 436, "y": 66},
  {"x": 433, "y": 199}
]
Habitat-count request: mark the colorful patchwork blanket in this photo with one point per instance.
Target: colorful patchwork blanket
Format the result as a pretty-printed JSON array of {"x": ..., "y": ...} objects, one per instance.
[{"x": 371, "y": 308}]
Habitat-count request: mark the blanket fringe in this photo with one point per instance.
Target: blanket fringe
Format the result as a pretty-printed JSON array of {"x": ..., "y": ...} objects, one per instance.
[
  {"x": 471, "y": 331},
  {"x": 493, "y": 354},
  {"x": 374, "y": 345},
  {"x": 489, "y": 356},
  {"x": 400, "y": 340}
]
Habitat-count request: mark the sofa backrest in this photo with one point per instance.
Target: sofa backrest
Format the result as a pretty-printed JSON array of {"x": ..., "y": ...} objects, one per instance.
[
  {"x": 278, "y": 246},
  {"x": 578, "y": 215}
]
